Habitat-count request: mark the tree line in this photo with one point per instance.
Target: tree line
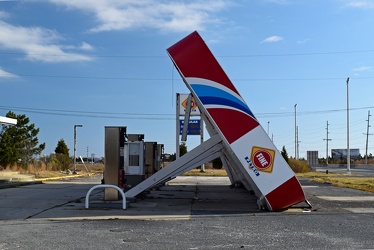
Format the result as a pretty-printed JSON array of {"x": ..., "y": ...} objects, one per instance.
[{"x": 19, "y": 145}]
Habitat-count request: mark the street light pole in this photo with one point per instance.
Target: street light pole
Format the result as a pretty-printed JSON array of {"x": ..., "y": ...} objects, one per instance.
[
  {"x": 75, "y": 148},
  {"x": 348, "y": 150},
  {"x": 295, "y": 134}
]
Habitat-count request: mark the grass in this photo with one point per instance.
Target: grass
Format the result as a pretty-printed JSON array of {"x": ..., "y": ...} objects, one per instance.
[
  {"x": 339, "y": 180},
  {"x": 342, "y": 180},
  {"x": 48, "y": 174},
  {"x": 81, "y": 170},
  {"x": 207, "y": 172},
  {"x": 360, "y": 183}
]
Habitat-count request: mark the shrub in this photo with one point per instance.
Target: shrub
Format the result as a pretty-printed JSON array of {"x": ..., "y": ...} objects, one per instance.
[
  {"x": 60, "y": 162},
  {"x": 217, "y": 163},
  {"x": 298, "y": 166}
]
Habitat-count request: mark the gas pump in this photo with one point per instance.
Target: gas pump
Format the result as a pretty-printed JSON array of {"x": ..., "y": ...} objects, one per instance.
[
  {"x": 134, "y": 170},
  {"x": 115, "y": 138},
  {"x": 150, "y": 158}
]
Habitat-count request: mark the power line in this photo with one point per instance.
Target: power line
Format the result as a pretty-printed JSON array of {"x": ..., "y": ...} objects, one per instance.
[
  {"x": 170, "y": 79},
  {"x": 150, "y": 116},
  {"x": 95, "y": 77},
  {"x": 223, "y": 56},
  {"x": 285, "y": 114},
  {"x": 302, "y": 54},
  {"x": 80, "y": 111},
  {"x": 89, "y": 114}
]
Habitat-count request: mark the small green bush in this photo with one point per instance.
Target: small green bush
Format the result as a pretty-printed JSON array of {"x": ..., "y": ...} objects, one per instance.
[{"x": 60, "y": 162}]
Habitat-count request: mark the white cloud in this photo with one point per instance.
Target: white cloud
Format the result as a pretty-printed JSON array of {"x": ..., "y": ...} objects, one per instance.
[
  {"x": 304, "y": 41},
  {"x": 363, "y": 68},
  {"x": 176, "y": 16},
  {"x": 4, "y": 74},
  {"x": 37, "y": 43},
  {"x": 272, "y": 39},
  {"x": 277, "y": 1},
  {"x": 360, "y": 4},
  {"x": 86, "y": 46}
]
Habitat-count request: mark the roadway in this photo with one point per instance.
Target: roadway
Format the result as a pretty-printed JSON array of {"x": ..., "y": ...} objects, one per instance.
[
  {"x": 358, "y": 170},
  {"x": 188, "y": 213}
]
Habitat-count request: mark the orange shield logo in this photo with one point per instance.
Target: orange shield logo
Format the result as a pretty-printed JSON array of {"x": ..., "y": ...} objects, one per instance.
[
  {"x": 263, "y": 159},
  {"x": 193, "y": 104}
]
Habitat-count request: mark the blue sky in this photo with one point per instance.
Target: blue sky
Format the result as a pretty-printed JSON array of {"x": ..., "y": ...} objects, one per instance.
[{"x": 104, "y": 63}]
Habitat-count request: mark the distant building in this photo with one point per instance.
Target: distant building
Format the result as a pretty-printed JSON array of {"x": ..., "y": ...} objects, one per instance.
[
  {"x": 312, "y": 157},
  {"x": 342, "y": 153}
]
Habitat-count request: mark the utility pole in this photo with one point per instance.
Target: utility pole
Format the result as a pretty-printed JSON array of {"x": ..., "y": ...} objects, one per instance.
[
  {"x": 367, "y": 138},
  {"x": 348, "y": 150},
  {"x": 75, "y": 147},
  {"x": 87, "y": 155},
  {"x": 295, "y": 134},
  {"x": 327, "y": 143},
  {"x": 297, "y": 137}
]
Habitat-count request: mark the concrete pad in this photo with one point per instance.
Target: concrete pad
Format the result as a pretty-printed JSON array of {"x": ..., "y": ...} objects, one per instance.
[{"x": 172, "y": 201}]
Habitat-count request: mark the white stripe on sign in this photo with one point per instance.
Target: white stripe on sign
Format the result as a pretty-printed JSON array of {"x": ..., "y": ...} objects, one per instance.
[{"x": 347, "y": 198}]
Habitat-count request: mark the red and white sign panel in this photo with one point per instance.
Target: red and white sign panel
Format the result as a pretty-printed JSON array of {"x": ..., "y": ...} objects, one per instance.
[{"x": 246, "y": 142}]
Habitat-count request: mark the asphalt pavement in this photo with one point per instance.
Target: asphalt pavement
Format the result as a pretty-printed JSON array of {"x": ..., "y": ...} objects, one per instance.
[{"x": 187, "y": 213}]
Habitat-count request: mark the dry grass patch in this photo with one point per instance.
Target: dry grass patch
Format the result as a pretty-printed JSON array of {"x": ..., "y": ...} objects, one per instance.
[
  {"x": 48, "y": 174},
  {"x": 360, "y": 183},
  {"x": 207, "y": 172},
  {"x": 342, "y": 180},
  {"x": 319, "y": 175}
]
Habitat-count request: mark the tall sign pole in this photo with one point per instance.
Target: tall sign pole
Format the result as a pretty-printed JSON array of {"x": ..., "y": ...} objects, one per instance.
[
  {"x": 177, "y": 127},
  {"x": 295, "y": 134},
  {"x": 75, "y": 148},
  {"x": 367, "y": 139},
  {"x": 348, "y": 150}
]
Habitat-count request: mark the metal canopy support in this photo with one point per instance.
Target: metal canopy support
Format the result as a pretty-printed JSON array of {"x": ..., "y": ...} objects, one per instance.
[{"x": 203, "y": 153}]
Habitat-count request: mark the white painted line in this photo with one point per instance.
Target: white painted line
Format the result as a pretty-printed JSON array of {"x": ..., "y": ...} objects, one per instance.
[
  {"x": 347, "y": 198},
  {"x": 361, "y": 210}
]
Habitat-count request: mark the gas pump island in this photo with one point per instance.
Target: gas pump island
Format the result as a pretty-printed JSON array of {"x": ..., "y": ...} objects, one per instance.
[
  {"x": 247, "y": 153},
  {"x": 128, "y": 160}
]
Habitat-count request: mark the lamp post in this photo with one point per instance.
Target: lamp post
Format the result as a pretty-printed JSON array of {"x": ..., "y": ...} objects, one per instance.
[
  {"x": 295, "y": 134},
  {"x": 268, "y": 127},
  {"x": 75, "y": 148},
  {"x": 348, "y": 150}
]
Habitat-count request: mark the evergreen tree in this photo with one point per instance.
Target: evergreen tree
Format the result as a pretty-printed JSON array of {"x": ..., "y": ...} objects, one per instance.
[
  {"x": 182, "y": 149},
  {"x": 62, "y": 148},
  {"x": 284, "y": 154},
  {"x": 19, "y": 143},
  {"x": 62, "y": 159}
]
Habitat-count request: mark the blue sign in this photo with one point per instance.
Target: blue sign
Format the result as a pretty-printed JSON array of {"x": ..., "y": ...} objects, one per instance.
[{"x": 193, "y": 127}]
